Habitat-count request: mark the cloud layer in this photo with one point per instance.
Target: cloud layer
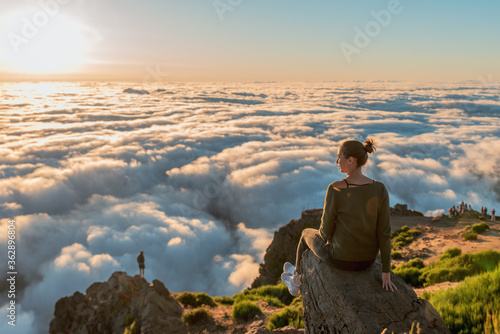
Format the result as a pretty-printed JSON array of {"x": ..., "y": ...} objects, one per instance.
[{"x": 199, "y": 175}]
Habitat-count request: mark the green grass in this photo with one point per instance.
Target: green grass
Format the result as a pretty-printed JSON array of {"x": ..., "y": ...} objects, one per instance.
[
  {"x": 225, "y": 300},
  {"x": 414, "y": 329},
  {"x": 133, "y": 329},
  {"x": 245, "y": 310},
  {"x": 450, "y": 253},
  {"x": 480, "y": 228},
  {"x": 203, "y": 299},
  {"x": 403, "y": 237},
  {"x": 274, "y": 295},
  {"x": 457, "y": 268},
  {"x": 129, "y": 319},
  {"x": 471, "y": 232},
  {"x": 465, "y": 308},
  {"x": 469, "y": 235},
  {"x": 492, "y": 323},
  {"x": 195, "y": 299},
  {"x": 396, "y": 255},
  {"x": 291, "y": 315},
  {"x": 414, "y": 263},
  {"x": 198, "y": 315},
  {"x": 451, "y": 267},
  {"x": 410, "y": 272}
]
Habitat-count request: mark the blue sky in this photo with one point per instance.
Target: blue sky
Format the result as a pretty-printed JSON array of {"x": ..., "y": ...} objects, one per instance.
[{"x": 254, "y": 40}]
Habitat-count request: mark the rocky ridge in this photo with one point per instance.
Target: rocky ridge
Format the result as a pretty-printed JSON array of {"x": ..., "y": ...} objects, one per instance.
[
  {"x": 121, "y": 303},
  {"x": 126, "y": 304}
]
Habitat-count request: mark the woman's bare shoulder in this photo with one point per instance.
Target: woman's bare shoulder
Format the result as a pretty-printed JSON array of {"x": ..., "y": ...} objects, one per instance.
[{"x": 339, "y": 184}]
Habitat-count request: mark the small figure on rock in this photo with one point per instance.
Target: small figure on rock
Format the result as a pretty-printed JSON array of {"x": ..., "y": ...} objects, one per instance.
[
  {"x": 355, "y": 224},
  {"x": 140, "y": 260},
  {"x": 492, "y": 215}
]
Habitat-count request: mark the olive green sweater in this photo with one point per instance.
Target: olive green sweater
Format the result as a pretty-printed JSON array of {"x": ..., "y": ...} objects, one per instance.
[{"x": 357, "y": 223}]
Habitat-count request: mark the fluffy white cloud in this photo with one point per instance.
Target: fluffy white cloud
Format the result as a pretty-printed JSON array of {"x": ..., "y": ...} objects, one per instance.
[
  {"x": 245, "y": 271},
  {"x": 199, "y": 178}
]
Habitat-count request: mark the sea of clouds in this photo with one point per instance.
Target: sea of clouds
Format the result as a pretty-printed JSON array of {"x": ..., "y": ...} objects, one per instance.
[{"x": 200, "y": 175}]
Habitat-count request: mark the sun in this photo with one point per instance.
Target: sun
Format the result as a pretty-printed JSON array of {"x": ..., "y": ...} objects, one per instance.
[{"x": 57, "y": 47}]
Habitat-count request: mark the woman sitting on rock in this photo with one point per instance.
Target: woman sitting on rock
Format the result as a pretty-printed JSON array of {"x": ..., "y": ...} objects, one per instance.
[{"x": 355, "y": 224}]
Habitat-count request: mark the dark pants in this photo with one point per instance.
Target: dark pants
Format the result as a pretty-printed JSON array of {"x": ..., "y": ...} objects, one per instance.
[{"x": 311, "y": 239}]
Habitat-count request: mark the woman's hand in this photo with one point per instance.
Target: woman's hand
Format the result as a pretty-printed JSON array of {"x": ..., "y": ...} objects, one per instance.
[{"x": 387, "y": 283}]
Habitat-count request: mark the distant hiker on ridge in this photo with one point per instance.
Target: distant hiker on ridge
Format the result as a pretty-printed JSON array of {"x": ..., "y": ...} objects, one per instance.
[
  {"x": 492, "y": 215},
  {"x": 355, "y": 224},
  {"x": 140, "y": 260}
]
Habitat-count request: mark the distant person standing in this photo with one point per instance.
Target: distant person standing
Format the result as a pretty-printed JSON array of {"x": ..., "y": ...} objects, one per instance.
[
  {"x": 140, "y": 260},
  {"x": 492, "y": 215}
]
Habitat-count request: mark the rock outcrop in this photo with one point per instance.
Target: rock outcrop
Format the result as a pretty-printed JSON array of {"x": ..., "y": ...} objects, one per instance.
[
  {"x": 283, "y": 248},
  {"x": 337, "y": 301},
  {"x": 121, "y": 303},
  {"x": 402, "y": 210}
]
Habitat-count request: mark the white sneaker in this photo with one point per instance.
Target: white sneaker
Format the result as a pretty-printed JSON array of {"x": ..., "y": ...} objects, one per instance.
[
  {"x": 288, "y": 268},
  {"x": 296, "y": 279},
  {"x": 293, "y": 288}
]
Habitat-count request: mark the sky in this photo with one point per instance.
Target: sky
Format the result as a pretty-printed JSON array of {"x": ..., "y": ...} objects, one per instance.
[{"x": 241, "y": 40}]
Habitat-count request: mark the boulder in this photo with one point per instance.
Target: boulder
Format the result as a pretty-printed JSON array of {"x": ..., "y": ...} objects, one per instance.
[
  {"x": 121, "y": 303},
  {"x": 338, "y": 301},
  {"x": 283, "y": 248}
]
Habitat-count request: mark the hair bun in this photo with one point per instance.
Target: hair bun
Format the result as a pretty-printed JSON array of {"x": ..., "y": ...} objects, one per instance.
[{"x": 369, "y": 145}]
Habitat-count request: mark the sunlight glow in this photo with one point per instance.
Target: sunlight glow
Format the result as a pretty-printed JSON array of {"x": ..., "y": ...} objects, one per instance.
[{"x": 59, "y": 47}]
